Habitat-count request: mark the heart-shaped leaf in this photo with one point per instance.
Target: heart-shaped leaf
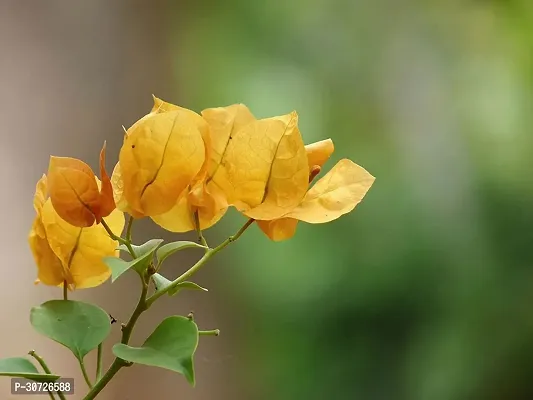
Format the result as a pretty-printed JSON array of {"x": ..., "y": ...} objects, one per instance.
[
  {"x": 144, "y": 254},
  {"x": 168, "y": 249},
  {"x": 20, "y": 367},
  {"x": 170, "y": 346},
  {"x": 161, "y": 282},
  {"x": 79, "y": 326}
]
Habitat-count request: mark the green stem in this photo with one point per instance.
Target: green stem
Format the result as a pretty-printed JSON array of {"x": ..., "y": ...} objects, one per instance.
[
  {"x": 128, "y": 229},
  {"x": 201, "y": 238},
  {"x": 126, "y": 334},
  {"x": 65, "y": 290},
  {"x": 99, "y": 362},
  {"x": 85, "y": 375},
  {"x": 145, "y": 303},
  {"x": 118, "y": 238},
  {"x": 47, "y": 370},
  {"x": 201, "y": 262}
]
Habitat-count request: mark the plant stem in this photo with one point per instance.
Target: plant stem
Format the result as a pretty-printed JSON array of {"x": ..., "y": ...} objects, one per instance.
[
  {"x": 201, "y": 238},
  {"x": 126, "y": 334},
  {"x": 47, "y": 370},
  {"x": 201, "y": 262},
  {"x": 128, "y": 229},
  {"x": 85, "y": 375},
  {"x": 41, "y": 361},
  {"x": 118, "y": 238},
  {"x": 145, "y": 303},
  {"x": 65, "y": 290},
  {"x": 99, "y": 362}
]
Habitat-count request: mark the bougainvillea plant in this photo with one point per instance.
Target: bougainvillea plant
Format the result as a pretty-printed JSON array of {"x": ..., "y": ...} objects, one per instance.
[{"x": 183, "y": 170}]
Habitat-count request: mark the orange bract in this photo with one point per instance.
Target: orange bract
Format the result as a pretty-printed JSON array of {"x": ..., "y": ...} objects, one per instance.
[
  {"x": 75, "y": 193},
  {"x": 68, "y": 253}
]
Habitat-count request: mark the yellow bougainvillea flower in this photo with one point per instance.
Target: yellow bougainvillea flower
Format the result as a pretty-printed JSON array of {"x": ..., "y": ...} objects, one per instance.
[
  {"x": 75, "y": 193},
  {"x": 67, "y": 253},
  {"x": 334, "y": 195},
  {"x": 205, "y": 196},
  {"x": 262, "y": 165},
  {"x": 161, "y": 156}
]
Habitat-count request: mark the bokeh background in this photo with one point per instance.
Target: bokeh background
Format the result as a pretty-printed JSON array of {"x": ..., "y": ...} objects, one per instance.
[{"x": 424, "y": 292}]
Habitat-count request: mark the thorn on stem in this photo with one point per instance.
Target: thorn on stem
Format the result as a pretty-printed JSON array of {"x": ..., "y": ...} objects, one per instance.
[{"x": 191, "y": 316}]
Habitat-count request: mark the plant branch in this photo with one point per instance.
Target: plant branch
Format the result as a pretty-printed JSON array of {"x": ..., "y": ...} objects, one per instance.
[
  {"x": 201, "y": 238},
  {"x": 65, "y": 290},
  {"x": 199, "y": 264},
  {"x": 128, "y": 229},
  {"x": 118, "y": 238},
  {"x": 47, "y": 370},
  {"x": 126, "y": 334},
  {"x": 99, "y": 362},
  {"x": 144, "y": 303}
]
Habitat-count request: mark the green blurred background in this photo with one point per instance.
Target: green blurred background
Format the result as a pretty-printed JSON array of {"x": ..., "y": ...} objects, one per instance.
[{"x": 424, "y": 291}]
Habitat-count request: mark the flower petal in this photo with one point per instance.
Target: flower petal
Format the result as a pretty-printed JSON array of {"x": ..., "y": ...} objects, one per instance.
[
  {"x": 264, "y": 170},
  {"x": 107, "y": 202},
  {"x": 335, "y": 194},
  {"x": 224, "y": 122},
  {"x": 211, "y": 208},
  {"x": 161, "y": 155},
  {"x": 319, "y": 152},
  {"x": 118, "y": 192},
  {"x": 80, "y": 250},
  {"x": 279, "y": 229},
  {"x": 161, "y": 106},
  {"x": 73, "y": 190},
  {"x": 49, "y": 268}
]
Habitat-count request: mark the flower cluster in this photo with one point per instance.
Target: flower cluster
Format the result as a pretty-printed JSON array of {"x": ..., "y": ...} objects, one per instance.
[{"x": 184, "y": 170}]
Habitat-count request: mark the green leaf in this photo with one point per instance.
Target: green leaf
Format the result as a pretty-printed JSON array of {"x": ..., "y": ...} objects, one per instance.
[
  {"x": 168, "y": 249},
  {"x": 144, "y": 254},
  {"x": 161, "y": 282},
  {"x": 20, "y": 367},
  {"x": 79, "y": 326},
  {"x": 170, "y": 346}
]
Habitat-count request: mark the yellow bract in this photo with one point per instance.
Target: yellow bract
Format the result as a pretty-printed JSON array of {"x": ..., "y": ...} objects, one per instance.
[
  {"x": 64, "y": 252},
  {"x": 183, "y": 169},
  {"x": 319, "y": 152},
  {"x": 263, "y": 169},
  {"x": 161, "y": 156},
  {"x": 74, "y": 192},
  {"x": 206, "y": 196},
  {"x": 334, "y": 195}
]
